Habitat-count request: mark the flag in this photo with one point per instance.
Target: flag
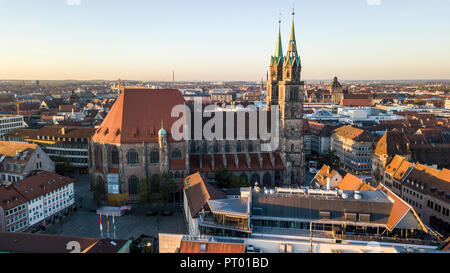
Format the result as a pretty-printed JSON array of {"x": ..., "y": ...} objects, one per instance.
[
  {"x": 107, "y": 224},
  {"x": 101, "y": 226},
  {"x": 114, "y": 227}
]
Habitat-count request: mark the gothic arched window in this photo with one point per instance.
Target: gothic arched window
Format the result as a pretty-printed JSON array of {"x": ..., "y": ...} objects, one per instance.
[
  {"x": 250, "y": 147},
  {"x": 132, "y": 157},
  {"x": 238, "y": 147},
  {"x": 114, "y": 156},
  {"x": 154, "y": 156},
  {"x": 227, "y": 147},
  {"x": 216, "y": 147}
]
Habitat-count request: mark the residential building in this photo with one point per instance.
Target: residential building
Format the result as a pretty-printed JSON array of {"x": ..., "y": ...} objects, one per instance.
[
  {"x": 47, "y": 194},
  {"x": 425, "y": 188},
  {"x": 13, "y": 210},
  {"x": 392, "y": 143},
  {"x": 326, "y": 178},
  {"x": 353, "y": 148},
  {"x": 19, "y": 160}
]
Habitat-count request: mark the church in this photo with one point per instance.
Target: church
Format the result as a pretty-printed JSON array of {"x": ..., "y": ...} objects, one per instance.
[{"x": 135, "y": 140}]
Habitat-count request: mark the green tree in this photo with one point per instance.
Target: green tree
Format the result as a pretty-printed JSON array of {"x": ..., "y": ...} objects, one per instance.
[
  {"x": 329, "y": 159},
  {"x": 167, "y": 186},
  {"x": 238, "y": 182},
  {"x": 99, "y": 194},
  {"x": 223, "y": 178},
  {"x": 144, "y": 192}
]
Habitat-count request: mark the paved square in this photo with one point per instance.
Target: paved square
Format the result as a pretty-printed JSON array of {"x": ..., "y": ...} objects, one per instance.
[{"x": 85, "y": 222}]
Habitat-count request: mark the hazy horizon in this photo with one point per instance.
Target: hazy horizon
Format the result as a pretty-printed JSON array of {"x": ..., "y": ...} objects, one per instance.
[{"x": 355, "y": 40}]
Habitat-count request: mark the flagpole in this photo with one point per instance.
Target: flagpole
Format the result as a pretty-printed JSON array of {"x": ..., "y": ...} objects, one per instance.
[
  {"x": 107, "y": 226},
  {"x": 101, "y": 227},
  {"x": 114, "y": 228}
]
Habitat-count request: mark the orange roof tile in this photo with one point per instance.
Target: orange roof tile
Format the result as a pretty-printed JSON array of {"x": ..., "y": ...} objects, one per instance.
[
  {"x": 350, "y": 183},
  {"x": 137, "y": 114}
]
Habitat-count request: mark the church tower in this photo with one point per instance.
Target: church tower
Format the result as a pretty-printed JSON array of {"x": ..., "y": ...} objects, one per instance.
[
  {"x": 276, "y": 72},
  {"x": 290, "y": 93}
]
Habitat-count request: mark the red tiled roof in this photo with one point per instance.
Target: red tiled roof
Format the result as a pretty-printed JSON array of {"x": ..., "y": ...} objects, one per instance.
[
  {"x": 137, "y": 114},
  {"x": 399, "y": 209},
  {"x": 198, "y": 193},
  {"x": 10, "y": 198},
  {"x": 40, "y": 184}
]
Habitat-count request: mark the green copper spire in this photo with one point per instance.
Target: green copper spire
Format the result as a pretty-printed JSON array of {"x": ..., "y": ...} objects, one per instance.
[
  {"x": 278, "y": 56},
  {"x": 292, "y": 54}
]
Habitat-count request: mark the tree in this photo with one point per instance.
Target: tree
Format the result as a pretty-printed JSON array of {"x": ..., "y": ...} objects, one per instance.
[
  {"x": 329, "y": 159},
  {"x": 223, "y": 178},
  {"x": 167, "y": 186},
  {"x": 238, "y": 182},
  {"x": 144, "y": 192},
  {"x": 99, "y": 194}
]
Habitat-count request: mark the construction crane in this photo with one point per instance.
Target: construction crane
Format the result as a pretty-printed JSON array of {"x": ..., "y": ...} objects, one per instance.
[{"x": 18, "y": 103}]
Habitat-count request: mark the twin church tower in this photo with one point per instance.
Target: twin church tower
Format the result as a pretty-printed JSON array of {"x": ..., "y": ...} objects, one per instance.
[{"x": 286, "y": 90}]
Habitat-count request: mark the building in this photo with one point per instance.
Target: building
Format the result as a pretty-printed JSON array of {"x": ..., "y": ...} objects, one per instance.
[
  {"x": 319, "y": 135},
  {"x": 35, "y": 201},
  {"x": 353, "y": 183},
  {"x": 135, "y": 139},
  {"x": 19, "y": 160},
  {"x": 223, "y": 95},
  {"x": 13, "y": 210},
  {"x": 47, "y": 194},
  {"x": 425, "y": 188},
  {"x": 366, "y": 215},
  {"x": 43, "y": 243},
  {"x": 392, "y": 143},
  {"x": 10, "y": 122},
  {"x": 172, "y": 243},
  {"x": 356, "y": 100},
  {"x": 193, "y": 244},
  {"x": 286, "y": 90},
  {"x": 336, "y": 91},
  {"x": 59, "y": 142},
  {"x": 353, "y": 148},
  {"x": 196, "y": 194},
  {"x": 326, "y": 177}
]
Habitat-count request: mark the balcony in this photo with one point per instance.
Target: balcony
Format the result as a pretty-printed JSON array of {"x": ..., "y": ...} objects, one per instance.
[{"x": 221, "y": 221}]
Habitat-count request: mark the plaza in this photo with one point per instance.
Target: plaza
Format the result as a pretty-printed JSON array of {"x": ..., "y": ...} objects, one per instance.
[{"x": 85, "y": 221}]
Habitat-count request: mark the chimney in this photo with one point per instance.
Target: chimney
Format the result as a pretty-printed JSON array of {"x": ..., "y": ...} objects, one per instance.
[{"x": 328, "y": 184}]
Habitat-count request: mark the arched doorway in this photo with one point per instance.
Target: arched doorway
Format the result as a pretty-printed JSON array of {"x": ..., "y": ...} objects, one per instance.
[
  {"x": 278, "y": 181},
  {"x": 133, "y": 185},
  {"x": 255, "y": 178},
  {"x": 267, "y": 180},
  {"x": 244, "y": 176}
]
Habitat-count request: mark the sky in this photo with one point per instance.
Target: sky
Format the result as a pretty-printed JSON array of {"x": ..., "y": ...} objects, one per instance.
[{"x": 224, "y": 40}]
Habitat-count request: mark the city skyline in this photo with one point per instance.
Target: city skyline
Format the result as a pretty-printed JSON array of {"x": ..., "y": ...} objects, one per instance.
[{"x": 87, "y": 40}]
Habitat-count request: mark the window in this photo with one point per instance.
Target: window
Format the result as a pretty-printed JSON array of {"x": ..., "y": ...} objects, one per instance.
[
  {"x": 176, "y": 154},
  {"x": 154, "y": 156},
  {"x": 227, "y": 147},
  {"x": 115, "y": 156},
  {"x": 132, "y": 157},
  {"x": 238, "y": 147}
]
